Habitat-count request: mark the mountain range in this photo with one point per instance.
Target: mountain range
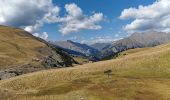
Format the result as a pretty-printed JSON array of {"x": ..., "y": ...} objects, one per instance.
[
  {"x": 21, "y": 52},
  {"x": 78, "y": 49},
  {"x": 100, "y": 46},
  {"x": 99, "y": 51},
  {"x": 136, "y": 40}
]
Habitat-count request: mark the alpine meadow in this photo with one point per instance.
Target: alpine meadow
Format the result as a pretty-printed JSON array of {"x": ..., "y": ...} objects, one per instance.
[{"x": 84, "y": 50}]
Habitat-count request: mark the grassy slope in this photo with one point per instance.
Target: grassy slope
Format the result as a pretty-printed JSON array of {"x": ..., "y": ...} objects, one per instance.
[
  {"x": 142, "y": 74},
  {"x": 127, "y": 52},
  {"x": 81, "y": 60},
  {"x": 15, "y": 48}
]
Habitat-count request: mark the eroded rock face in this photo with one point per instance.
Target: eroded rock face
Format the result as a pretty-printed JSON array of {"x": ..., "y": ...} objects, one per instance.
[
  {"x": 12, "y": 72},
  {"x": 50, "y": 62}
]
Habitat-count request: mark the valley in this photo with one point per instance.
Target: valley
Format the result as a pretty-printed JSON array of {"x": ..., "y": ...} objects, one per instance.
[
  {"x": 84, "y": 49},
  {"x": 140, "y": 74}
]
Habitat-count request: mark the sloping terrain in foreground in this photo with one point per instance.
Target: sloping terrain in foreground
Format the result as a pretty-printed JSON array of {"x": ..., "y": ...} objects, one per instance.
[
  {"x": 21, "y": 52},
  {"x": 139, "y": 74}
]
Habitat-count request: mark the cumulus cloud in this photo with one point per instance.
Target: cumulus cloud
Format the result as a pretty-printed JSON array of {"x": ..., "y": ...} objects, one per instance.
[
  {"x": 75, "y": 20},
  {"x": 27, "y": 14},
  {"x": 53, "y": 15},
  {"x": 152, "y": 17},
  {"x": 31, "y": 15},
  {"x": 43, "y": 35},
  {"x": 23, "y": 12},
  {"x": 34, "y": 28}
]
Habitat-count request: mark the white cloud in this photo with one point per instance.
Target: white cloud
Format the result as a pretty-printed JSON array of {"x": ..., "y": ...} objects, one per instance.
[
  {"x": 33, "y": 14},
  {"x": 76, "y": 21},
  {"x": 53, "y": 15},
  {"x": 22, "y": 13},
  {"x": 27, "y": 14},
  {"x": 100, "y": 39},
  {"x": 76, "y": 25},
  {"x": 152, "y": 17},
  {"x": 34, "y": 28},
  {"x": 73, "y": 10},
  {"x": 43, "y": 35}
]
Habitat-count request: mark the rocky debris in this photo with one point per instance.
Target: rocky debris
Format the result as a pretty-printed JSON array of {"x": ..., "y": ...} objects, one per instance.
[
  {"x": 44, "y": 55},
  {"x": 12, "y": 72},
  {"x": 50, "y": 62},
  {"x": 47, "y": 63}
]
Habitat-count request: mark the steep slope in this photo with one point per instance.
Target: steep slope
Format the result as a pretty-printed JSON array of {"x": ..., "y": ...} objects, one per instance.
[
  {"x": 77, "y": 49},
  {"x": 142, "y": 74},
  {"x": 20, "y": 52},
  {"x": 137, "y": 40}
]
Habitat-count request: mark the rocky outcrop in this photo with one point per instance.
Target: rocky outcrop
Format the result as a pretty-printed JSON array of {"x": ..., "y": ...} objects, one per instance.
[{"x": 21, "y": 53}]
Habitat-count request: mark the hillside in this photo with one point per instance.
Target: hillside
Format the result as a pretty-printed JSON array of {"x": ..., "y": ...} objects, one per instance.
[
  {"x": 137, "y": 40},
  {"x": 139, "y": 74},
  {"x": 21, "y": 52}
]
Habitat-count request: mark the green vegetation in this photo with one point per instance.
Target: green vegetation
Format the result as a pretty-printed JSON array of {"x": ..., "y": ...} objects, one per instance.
[{"x": 139, "y": 74}]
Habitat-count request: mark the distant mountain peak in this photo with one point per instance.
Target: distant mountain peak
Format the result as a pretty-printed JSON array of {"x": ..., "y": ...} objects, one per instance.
[
  {"x": 138, "y": 40},
  {"x": 76, "y": 48}
]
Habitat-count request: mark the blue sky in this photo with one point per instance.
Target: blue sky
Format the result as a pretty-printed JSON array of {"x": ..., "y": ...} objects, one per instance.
[
  {"x": 110, "y": 8},
  {"x": 86, "y": 21}
]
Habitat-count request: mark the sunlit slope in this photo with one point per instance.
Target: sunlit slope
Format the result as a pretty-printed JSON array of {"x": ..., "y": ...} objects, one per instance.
[
  {"x": 143, "y": 74},
  {"x": 16, "y": 47}
]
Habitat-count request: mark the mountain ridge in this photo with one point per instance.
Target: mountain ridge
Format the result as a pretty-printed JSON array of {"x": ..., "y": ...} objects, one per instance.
[
  {"x": 77, "y": 49},
  {"x": 100, "y": 46},
  {"x": 137, "y": 40}
]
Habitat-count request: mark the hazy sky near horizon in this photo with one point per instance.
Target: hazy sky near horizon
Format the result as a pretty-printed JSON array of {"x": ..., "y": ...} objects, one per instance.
[{"x": 86, "y": 21}]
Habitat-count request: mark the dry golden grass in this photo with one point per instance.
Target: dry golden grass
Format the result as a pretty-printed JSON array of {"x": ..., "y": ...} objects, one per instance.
[
  {"x": 81, "y": 60},
  {"x": 142, "y": 74},
  {"x": 16, "y": 48}
]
